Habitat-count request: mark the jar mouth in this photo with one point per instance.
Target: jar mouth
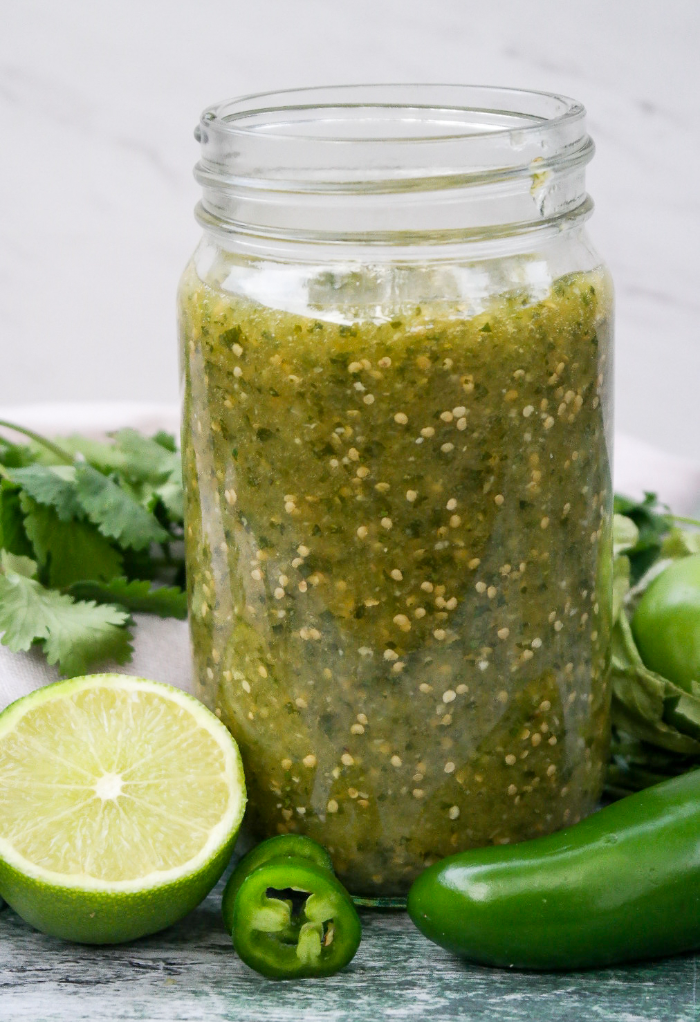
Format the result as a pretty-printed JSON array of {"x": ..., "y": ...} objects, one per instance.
[
  {"x": 368, "y": 162},
  {"x": 417, "y": 114}
]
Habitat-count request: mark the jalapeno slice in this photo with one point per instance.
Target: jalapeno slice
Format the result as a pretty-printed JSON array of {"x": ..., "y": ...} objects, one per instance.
[
  {"x": 272, "y": 848},
  {"x": 291, "y": 918}
]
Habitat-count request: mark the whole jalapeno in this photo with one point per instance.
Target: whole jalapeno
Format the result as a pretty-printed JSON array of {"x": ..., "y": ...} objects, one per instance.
[{"x": 623, "y": 884}]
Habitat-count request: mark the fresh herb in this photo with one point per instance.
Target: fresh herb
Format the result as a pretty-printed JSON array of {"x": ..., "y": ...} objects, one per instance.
[
  {"x": 656, "y": 724},
  {"x": 90, "y": 533}
]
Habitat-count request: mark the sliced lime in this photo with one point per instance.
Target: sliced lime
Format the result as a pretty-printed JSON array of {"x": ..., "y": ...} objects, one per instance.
[{"x": 120, "y": 801}]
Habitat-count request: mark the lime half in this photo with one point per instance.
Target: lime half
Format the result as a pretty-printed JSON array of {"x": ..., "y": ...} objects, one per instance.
[{"x": 120, "y": 801}]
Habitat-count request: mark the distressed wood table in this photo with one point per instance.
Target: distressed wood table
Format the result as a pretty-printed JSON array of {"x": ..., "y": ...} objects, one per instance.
[{"x": 190, "y": 972}]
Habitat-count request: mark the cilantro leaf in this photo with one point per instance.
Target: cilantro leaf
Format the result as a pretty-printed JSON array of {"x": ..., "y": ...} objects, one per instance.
[
  {"x": 166, "y": 440},
  {"x": 653, "y": 523},
  {"x": 137, "y": 596},
  {"x": 116, "y": 514},
  {"x": 146, "y": 459},
  {"x": 75, "y": 635},
  {"x": 13, "y": 536},
  {"x": 156, "y": 467},
  {"x": 21, "y": 565},
  {"x": 50, "y": 484},
  {"x": 68, "y": 551}
]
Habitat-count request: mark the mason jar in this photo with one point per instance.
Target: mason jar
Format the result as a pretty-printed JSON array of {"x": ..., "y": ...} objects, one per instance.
[{"x": 396, "y": 360}]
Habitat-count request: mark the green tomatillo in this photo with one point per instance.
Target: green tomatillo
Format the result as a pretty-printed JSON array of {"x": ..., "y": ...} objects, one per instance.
[{"x": 666, "y": 623}]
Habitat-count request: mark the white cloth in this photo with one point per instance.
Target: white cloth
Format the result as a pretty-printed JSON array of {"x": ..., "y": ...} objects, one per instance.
[{"x": 161, "y": 647}]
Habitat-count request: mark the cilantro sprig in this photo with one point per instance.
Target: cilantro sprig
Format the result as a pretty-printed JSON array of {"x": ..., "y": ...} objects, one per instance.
[{"x": 90, "y": 533}]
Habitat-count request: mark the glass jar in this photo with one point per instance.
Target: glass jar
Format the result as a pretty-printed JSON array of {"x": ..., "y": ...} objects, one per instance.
[{"x": 396, "y": 351}]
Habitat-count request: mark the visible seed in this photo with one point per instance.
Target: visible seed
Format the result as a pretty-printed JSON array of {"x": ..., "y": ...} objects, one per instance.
[
  {"x": 357, "y": 729},
  {"x": 301, "y": 703},
  {"x": 279, "y": 593},
  {"x": 389, "y": 654},
  {"x": 446, "y": 416},
  {"x": 396, "y": 574},
  {"x": 503, "y": 633},
  {"x": 425, "y": 687},
  {"x": 498, "y": 499},
  {"x": 362, "y": 532},
  {"x": 536, "y": 643},
  {"x": 384, "y": 363},
  {"x": 512, "y": 789},
  {"x": 395, "y": 761},
  {"x": 231, "y": 496},
  {"x": 427, "y": 587},
  {"x": 419, "y": 612},
  {"x": 427, "y": 431},
  {"x": 449, "y": 768},
  {"x": 355, "y": 367},
  {"x": 528, "y": 410},
  {"x": 368, "y": 399},
  {"x": 536, "y": 739},
  {"x": 455, "y": 522},
  {"x": 386, "y": 523},
  {"x": 491, "y": 592},
  {"x": 544, "y": 523},
  {"x": 474, "y": 563},
  {"x": 303, "y": 586},
  {"x": 401, "y": 418},
  {"x": 256, "y": 574},
  {"x": 418, "y": 793},
  {"x": 453, "y": 812},
  {"x": 449, "y": 696},
  {"x": 480, "y": 587},
  {"x": 461, "y": 423},
  {"x": 451, "y": 603},
  {"x": 332, "y": 806},
  {"x": 439, "y": 634},
  {"x": 346, "y": 759},
  {"x": 362, "y": 472},
  {"x": 510, "y": 759},
  {"x": 411, "y": 495}
]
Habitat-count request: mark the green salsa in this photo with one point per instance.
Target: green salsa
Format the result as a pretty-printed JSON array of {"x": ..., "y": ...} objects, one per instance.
[{"x": 398, "y": 541}]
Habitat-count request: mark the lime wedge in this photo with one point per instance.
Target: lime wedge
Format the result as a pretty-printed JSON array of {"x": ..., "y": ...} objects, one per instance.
[{"x": 120, "y": 801}]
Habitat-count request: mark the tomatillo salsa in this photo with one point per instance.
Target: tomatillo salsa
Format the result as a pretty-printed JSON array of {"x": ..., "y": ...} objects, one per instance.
[{"x": 398, "y": 542}]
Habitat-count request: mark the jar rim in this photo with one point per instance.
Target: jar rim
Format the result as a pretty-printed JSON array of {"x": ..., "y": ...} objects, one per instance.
[
  {"x": 366, "y": 163},
  {"x": 535, "y": 110}
]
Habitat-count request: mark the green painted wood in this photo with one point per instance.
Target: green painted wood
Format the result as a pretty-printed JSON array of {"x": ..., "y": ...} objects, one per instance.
[{"x": 190, "y": 973}]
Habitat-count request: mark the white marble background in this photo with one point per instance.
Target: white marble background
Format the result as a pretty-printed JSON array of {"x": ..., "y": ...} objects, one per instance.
[{"x": 97, "y": 105}]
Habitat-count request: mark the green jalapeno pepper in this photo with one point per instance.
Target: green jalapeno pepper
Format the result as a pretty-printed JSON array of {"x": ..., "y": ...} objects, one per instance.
[
  {"x": 276, "y": 932},
  {"x": 623, "y": 884}
]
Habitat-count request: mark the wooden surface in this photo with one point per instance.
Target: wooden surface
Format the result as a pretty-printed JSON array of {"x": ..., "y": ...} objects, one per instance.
[{"x": 190, "y": 972}]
